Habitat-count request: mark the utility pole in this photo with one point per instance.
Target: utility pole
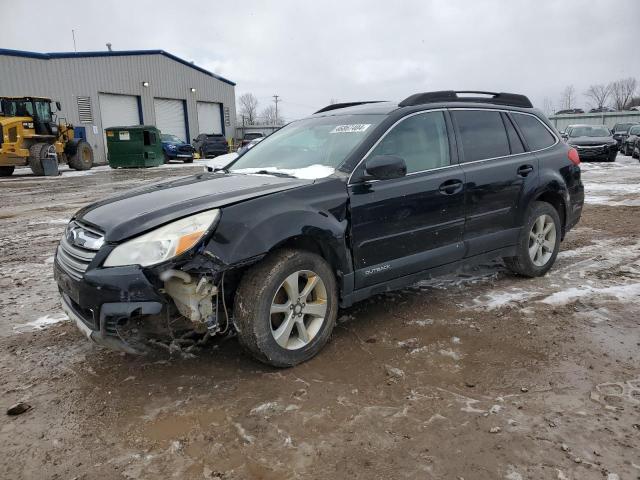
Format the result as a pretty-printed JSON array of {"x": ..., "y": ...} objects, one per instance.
[
  {"x": 73, "y": 34},
  {"x": 276, "y": 100}
]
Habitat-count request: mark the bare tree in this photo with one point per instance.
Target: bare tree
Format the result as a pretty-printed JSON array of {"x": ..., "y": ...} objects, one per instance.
[
  {"x": 623, "y": 91},
  {"x": 333, "y": 101},
  {"x": 598, "y": 94},
  {"x": 268, "y": 116},
  {"x": 568, "y": 97},
  {"x": 248, "y": 107}
]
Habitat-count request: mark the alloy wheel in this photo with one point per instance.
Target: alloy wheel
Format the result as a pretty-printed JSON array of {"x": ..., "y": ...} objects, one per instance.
[
  {"x": 298, "y": 309},
  {"x": 542, "y": 240}
]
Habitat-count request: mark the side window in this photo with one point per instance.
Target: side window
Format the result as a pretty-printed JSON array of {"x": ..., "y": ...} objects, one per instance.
[
  {"x": 535, "y": 133},
  {"x": 514, "y": 140},
  {"x": 421, "y": 141},
  {"x": 482, "y": 133}
]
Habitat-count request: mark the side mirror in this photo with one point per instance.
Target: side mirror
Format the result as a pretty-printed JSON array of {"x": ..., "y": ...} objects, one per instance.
[
  {"x": 384, "y": 167},
  {"x": 58, "y": 106}
]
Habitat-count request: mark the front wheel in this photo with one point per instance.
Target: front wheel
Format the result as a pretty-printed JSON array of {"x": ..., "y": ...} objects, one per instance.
[
  {"x": 82, "y": 159},
  {"x": 539, "y": 242},
  {"x": 286, "y": 307}
]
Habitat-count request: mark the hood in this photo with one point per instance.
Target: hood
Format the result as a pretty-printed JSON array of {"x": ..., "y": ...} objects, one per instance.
[
  {"x": 137, "y": 211},
  {"x": 586, "y": 141}
]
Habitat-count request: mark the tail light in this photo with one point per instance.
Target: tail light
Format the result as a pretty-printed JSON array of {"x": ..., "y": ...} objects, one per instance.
[{"x": 573, "y": 156}]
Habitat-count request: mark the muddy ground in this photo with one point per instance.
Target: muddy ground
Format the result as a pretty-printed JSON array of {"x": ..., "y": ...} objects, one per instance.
[{"x": 476, "y": 376}]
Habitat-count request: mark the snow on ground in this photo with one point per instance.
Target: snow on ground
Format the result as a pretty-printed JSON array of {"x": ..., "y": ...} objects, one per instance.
[
  {"x": 41, "y": 323},
  {"x": 614, "y": 184}
]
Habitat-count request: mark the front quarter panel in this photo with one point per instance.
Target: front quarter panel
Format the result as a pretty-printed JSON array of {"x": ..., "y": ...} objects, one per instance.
[{"x": 252, "y": 228}]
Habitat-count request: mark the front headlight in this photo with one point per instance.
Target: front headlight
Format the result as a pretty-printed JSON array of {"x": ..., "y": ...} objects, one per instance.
[
  {"x": 163, "y": 243},
  {"x": 171, "y": 147}
]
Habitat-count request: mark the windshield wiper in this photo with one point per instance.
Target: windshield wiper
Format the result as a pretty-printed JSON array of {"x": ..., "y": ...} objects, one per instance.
[{"x": 275, "y": 174}]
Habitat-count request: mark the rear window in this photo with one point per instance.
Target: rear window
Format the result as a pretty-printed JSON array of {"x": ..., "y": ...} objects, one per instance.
[
  {"x": 482, "y": 133},
  {"x": 535, "y": 133}
]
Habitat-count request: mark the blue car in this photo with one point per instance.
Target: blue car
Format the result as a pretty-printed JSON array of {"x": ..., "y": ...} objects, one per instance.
[{"x": 176, "y": 149}]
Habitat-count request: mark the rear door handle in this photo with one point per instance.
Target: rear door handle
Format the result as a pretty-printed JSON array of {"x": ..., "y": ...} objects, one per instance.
[
  {"x": 451, "y": 187},
  {"x": 525, "y": 170}
]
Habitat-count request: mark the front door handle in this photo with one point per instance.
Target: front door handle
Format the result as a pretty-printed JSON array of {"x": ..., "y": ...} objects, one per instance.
[
  {"x": 525, "y": 170},
  {"x": 451, "y": 187}
]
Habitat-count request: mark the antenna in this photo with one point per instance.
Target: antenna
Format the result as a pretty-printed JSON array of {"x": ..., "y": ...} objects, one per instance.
[{"x": 73, "y": 34}]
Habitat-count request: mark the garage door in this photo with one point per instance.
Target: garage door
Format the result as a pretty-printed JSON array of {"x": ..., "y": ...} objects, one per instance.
[
  {"x": 170, "y": 117},
  {"x": 118, "y": 111},
  {"x": 209, "y": 120}
]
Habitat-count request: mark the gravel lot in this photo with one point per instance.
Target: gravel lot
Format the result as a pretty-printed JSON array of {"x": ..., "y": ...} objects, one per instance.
[{"x": 481, "y": 375}]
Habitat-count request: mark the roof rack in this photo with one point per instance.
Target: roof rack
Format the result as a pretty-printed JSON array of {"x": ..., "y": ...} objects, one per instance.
[
  {"x": 336, "y": 106},
  {"x": 501, "y": 98}
]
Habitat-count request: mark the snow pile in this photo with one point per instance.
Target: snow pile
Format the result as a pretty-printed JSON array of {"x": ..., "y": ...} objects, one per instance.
[
  {"x": 311, "y": 172},
  {"x": 619, "y": 292},
  {"x": 41, "y": 323}
]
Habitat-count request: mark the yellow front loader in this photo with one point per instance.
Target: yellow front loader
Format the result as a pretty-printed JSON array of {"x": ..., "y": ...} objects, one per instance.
[{"x": 30, "y": 136}]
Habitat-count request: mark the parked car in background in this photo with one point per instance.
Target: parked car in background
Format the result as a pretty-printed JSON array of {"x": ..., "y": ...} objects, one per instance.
[
  {"x": 569, "y": 111},
  {"x": 602, "y": 110},
  {"x": 567, "y": 130},
  {"x": 620, "y": 131},
  {"x": 176, "y": 149},
  {"x": 353, "y": 201},
  {"x": 593, "y": 142},
  {"x": 630, "y": 140},
  {"x": 249, "y": 136},
  {"x": 250, "y": 145},
  {"x": 211, "y": 145}
]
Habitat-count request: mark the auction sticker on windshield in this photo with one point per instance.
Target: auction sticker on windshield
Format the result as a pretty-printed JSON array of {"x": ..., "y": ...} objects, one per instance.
[{"x": 353, "y": 128}]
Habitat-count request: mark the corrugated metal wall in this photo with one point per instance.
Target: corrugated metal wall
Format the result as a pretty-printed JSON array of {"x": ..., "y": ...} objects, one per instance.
[
  {"x": 607, "y": 118},
  {"x": 66, "y": 79}
]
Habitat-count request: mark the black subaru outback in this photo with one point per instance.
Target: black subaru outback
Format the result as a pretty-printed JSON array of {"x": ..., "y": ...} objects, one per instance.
[{"x": 356, "y": 200}]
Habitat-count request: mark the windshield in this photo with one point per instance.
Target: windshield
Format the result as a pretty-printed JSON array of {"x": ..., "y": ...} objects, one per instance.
[
  {"x": 622, "y": 127},
  {"x": 170, "y": 138},
  {"x": 310, "y": 148},
  {"x": 17, "y": 108},
  {"x": 634, "y": 130},
  {"x": 589, "y": 132}
]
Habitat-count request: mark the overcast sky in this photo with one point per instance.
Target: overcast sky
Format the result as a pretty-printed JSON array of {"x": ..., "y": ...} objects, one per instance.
[{"x": 310, "y": 52}]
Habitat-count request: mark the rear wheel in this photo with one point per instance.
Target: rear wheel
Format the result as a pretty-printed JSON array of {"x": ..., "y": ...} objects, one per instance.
[
  {"x": 539, "y": 242},
  {"x": 6, "y": 171},
  {"x": 286, "y": 307},
  {"x": 39, "y": 152},
  {"x": 188, "y": 160},
  {"x": 82, "y": 159}
]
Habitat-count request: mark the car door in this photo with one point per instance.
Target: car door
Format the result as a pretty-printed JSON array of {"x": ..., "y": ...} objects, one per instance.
[
  {"x": 405, "y": 225},
  {"x": 497, "y": 172}
]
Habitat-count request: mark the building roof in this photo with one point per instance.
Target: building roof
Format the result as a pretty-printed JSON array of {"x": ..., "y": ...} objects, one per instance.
[{"x": 115, "y": 53}]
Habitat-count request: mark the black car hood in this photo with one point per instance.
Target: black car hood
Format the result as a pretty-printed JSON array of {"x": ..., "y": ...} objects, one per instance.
[
  {"x": 586, "y": 141},
  {"x": 139, "y": 210}
]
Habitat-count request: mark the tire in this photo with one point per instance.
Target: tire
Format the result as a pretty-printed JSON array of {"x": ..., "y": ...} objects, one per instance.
[
  {"x": 262, "y": 290},
  {"x": 635, "y": 153},
  {"x": 6, "y": 171},
  {"x": 37, "y": 152},
  {"x": 82, "y": 159},
  {"x": 626, "y": 150},
  {"x": 188, "y": 160},
  {"x": 524, "y": 262},
  {"x": 166, "y": 158}
]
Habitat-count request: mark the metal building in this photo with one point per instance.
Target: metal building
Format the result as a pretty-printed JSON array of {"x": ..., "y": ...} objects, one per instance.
[{"x": 98, "y": 90}]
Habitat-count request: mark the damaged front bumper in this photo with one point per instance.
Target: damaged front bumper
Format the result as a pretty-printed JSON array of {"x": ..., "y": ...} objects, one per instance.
[{"x": 105, "y": 300}]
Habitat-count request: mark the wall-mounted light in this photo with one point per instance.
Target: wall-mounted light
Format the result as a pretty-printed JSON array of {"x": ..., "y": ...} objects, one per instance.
[
  {"x": 145, "y": 84},
  {"x": 193, "y": 90}
]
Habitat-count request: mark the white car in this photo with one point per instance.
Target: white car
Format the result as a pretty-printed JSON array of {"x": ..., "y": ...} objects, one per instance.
[{"x": 220, "y": 161}]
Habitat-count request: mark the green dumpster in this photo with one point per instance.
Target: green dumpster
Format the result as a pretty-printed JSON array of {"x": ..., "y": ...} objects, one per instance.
[{"x": 137, "y": 146}]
